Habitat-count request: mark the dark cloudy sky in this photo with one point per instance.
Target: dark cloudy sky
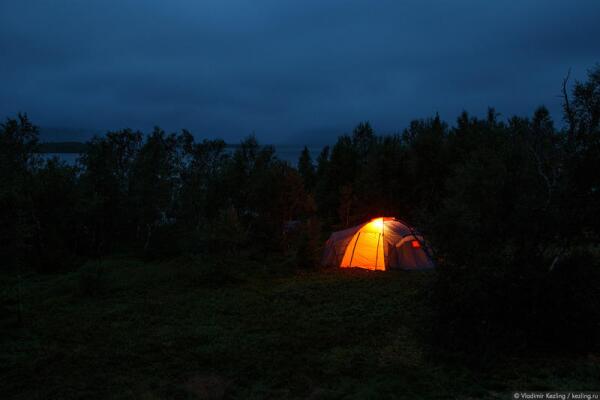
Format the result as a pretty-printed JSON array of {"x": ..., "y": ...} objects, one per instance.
[{"x": 291, "y": 71}]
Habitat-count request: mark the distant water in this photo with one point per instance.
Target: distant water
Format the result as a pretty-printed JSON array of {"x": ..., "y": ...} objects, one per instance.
[
  {"x": 69, "y": 158},
  {"x": 284, "y": 152}
]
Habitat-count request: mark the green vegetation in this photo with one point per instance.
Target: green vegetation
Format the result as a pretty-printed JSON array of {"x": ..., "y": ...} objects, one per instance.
[
  {"x": 510, "y": 208},
  {"x": 178, "y": 329}
]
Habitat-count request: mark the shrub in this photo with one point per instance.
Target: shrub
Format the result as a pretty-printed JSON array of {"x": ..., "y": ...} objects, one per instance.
[
  {"x": 568, "y": 310},
  {"x": 92, "y": 280},
  {"x": 309, "y": 245}
]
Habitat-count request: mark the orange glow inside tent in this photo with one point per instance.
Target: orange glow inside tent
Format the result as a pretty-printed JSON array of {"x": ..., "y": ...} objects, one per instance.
[
  {"x": 383, "y": 243},
  {"x": 365, "y": 249}
]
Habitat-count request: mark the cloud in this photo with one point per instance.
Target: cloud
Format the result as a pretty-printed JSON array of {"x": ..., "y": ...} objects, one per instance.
[{"x": 289, "y": 71}]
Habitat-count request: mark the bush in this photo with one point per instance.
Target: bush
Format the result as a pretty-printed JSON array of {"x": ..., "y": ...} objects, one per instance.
[
  {"x": 309, "y": 245},
  {"x": 568, "y": 312},
  {"x": 166, "y": 241},
  {"x": 92, "y": 280},
  {"x": 198, "y": 270},
  {"x": 512, "y": 306}
]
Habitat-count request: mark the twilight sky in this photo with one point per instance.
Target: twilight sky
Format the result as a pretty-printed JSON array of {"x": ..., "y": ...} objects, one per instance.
[{"x": 290, "y": 71}]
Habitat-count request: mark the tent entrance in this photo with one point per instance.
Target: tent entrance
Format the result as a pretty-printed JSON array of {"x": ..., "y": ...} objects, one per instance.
[{"x": 365, "y": 250}]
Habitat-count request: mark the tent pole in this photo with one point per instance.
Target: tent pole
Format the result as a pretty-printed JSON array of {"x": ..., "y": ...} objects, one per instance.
[
  {"x": 383, "y": 244},
  {"x": 377, "y": 250},
  {"x": 354, "y": 248}
]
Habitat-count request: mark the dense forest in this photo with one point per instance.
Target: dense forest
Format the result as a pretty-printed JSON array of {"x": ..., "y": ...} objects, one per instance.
[{"x": 509, "y": 206}]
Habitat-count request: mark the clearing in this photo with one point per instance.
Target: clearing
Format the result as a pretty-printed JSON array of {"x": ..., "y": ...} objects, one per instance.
[{"x": 133, "y": 330}]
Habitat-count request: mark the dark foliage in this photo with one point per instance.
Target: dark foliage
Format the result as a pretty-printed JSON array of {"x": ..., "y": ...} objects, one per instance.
[
  {"x": 510, "y": 208},
  {"x": 18, "y": 221},
  {"x": 62, "y": 147}
]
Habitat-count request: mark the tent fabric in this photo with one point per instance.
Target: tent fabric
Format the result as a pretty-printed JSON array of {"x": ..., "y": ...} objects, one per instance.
[
  {"x": 380, "y": 244},
  {"x": 336, "y": 245}
]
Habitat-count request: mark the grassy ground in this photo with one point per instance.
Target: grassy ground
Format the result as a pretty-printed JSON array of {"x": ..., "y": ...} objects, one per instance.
[{"x": 125, "y": 329}]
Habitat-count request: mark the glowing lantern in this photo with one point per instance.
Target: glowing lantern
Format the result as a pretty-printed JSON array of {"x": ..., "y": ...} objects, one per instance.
[{"x": 377, "y": 223}]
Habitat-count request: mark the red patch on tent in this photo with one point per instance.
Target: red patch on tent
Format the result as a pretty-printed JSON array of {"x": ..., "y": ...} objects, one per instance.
[{"x": 415, "y": 244}]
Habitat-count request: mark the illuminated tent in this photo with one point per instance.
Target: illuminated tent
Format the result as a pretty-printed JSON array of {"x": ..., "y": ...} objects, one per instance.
[{"x": 380, "y": 244}]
